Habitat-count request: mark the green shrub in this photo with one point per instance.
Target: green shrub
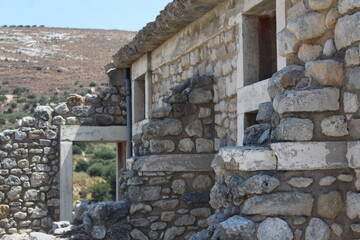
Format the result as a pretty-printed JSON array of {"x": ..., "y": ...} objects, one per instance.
[
  {"x": 100, "y": 192},
  {"x": 92, "y": 84},
  {"x": 19, "y": 91},
  {"x": 83, "y": 146},
  {"x": 31, "y": 96},
  {"x": 76, "y": 150},
  {"x": 26, "y": 106},
  {"x": 82, "y": 166},
  {"x": 96, "y": 170},
  {"x": 13, "y": 105},
  {"x": 3, "y": 98},
  {"x": 2, "y": 121},
  {"x": 105, "y": 153}
]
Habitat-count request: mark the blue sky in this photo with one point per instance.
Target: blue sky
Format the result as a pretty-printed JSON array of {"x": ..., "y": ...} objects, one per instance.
[{"x": 101, "y": 14}]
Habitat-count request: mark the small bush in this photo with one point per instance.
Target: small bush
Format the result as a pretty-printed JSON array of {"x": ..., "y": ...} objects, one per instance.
[
  {"x": 5, "y": 82},
  {"x": 26, "y": 106},
  {"x": 96, "y": 170},
  {"x": 2, "y": 121},
  {"x": 92, "y": 84},
  {"x": 13, "y": 105},
  {"x": 18, "y": 91},
  {"x": 105, "y": 153},
  {"x": 82, "y": 166},
  {"x": 3, "y": 98},
  {"x": 100, "y": 191},
  {"x": 31, "y": 96},
  {"x": 76, "y": 150}
]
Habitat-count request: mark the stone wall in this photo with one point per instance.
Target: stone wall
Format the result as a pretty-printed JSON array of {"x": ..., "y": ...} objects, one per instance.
[{"x": 30, "y": 157}]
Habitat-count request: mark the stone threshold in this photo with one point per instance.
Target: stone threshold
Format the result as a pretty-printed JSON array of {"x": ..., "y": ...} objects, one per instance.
[
  {"x": 290, "y": 156},
  {"x": 172, "y": 163}
]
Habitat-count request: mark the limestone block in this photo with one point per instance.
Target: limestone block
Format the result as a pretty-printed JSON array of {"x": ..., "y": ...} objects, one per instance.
[
  {"x": 202, "y": 182},
  {"x": 351, "y": 102},
  {"x": 352, "y": 205},
  {"x": 43, "y": 112},
  {"x": 161, "y": 128},
  {"x": 185, "y": 220},
  {"x": 19, "y": 136},
  {"x": 204, "y": 145},
  {"x": 295, "y": 129},
  {"x": 274, "y": 229},
  {"x": 58, "y": 120},
  {"x": 353, "y": 152},
  {"x": 327, "y": 181},
  {"x": 194, "y": 128},
  {"x": 330, "y": 205},
  {"x": 345, "y": 177},
  {"x": 329, "y": 48},
  {"x": 14, "y": 193},
  {"x": 297, "y": 10},
  {"x": 326, "y": 72},
  {"x": 310, "y": 155},
  {"x": 308, "y": 26},
  {"x": 308, "y": 52},
  {"x": 41, "y": 210},
  {"x": 200, "y": 96},
  {"x": 237, "y": 227},
  {"x": 287, "y": 43},
  {"x": 300, "y": 182},
  {"x": 138, "y": 235},
  {"x": 320, "y": 4},
  {"x": 346, "y": 6},
  {"x": 186, "y": 145},
  {"x": 279, "y": 204},
  {"x": 178, "y": 186},
  {"x": 28, "y": 121},
  {"x": 352, "y": 75},
  {"x": 315, "y": 100},
  {"x": 334, "y": 126},
  {"x": 337, "y": 229},
  {"x": 347, "y": 30},
  {"x": 352, "y": 57},
  {"x": 173, "y": 232},
  {"x": 32, "y": 195},
  {"x": 258, "y": 184},
  {"x": 317, "y": 230},
  {"x": 201, "y": 212},
  {"x": 61, "y": 108},
  {"x": 357, "y": 181},
  {"x": 166, "y": 204},
  {"x": 161, "y": 146}
]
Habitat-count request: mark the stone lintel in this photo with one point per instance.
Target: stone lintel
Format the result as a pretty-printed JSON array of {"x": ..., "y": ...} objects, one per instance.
[
  {"x": 310, "y": 155},
  {"x": 92, "y": 133},
  {"x": 173, "y": 163}
]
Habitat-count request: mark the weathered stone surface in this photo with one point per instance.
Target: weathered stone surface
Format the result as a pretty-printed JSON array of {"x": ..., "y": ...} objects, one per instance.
[
  {"x": 346, "y": 6},
  {"x": 259, "y": 184},
  {"x": 300, "y": 182},
  {"x": 331, "y": 18},
  {"x": 41, "y": 210},
  {"x": 32, "y": 195},
  {"x": 351, "y": 102},
  {"x": 308, "y": 26},
  {"x": 355, "y": 228},
  {"x": 161, "y": 128},
  {"x": 19, "y": 136},
  {"x": 194, "y": 128},
  {"x": 28, "y": 121},
  {"x": 254, "y": 133},
  {"x": 202, "y": 235},
  {"x": 8, "y": 163},
  {"x": 280, "y": 203},
  {"x": 337, "y": 229},
  {"x": 204, "y": 145},
  {"x": 352, "y": 205},
  {"x": 13, "y": 194},
  {"x": 352, "y": 57},
  {"x": 201, "y": 212},
  {"x": 274, "y": 229},
  {"x": 326, "y": 72},
  {"x": 334, "y": 126},
  {"x": 40, "y": 236},
  {"x": 160, "y": 112},
  {"x": 43, "y": 112},
  {"x": 138, "y": 235},
  {"x": 167, "y": 216},
  {"x": 345, "y": 178},
  {"x": 295, "y": 129},
  {"x": 329, "y": 48},
  {"x": 161, "y": 146},
  {"x": 237, "y": 227},
  {"x": 98, "y": 231},
  {"x": 320, "y": 4},
  {"x": 4, "y": 211},
  {"x": 61, "y": 108},
  {"x": 316, "y": 100},
  {"x": 83, "y": 110},
  {"x": 330, "y": 205},
  {"x": 80, "y": 207},
  {"x": 140, "y": 222},
  {"x": 266, "y": 110},
  {"x": 178, "y": 186},
  {"x": 108, "y": 212},
  {"x": 185, "y": 220},
  {"x": 308, "y": 52},
  {"x": 39, "y": 178},
  {"x": 297, "y": 10},
  {"x": 287, "y": 43},
  {"x": 140, "y": 207},
  {"x": 200, "y": 96},
  {"x": 317, "y": 230},
  {"x": 352, "y": 75},
  {"x": 202, "y": 182},
  {"x": 166, "y": 204},
  {"x": 347, "y": 30},
  {"x": 197, "y": 198},
  {"x": 186, "y": 145},
  {"x": 173, "y": 232},
  {"x": 104, "y": 119}
]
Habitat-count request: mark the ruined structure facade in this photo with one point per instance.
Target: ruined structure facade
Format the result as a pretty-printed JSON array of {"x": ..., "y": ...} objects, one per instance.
[{"x": 245, "y": 124}]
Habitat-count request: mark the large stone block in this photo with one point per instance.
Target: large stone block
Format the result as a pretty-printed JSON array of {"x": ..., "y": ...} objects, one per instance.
[
  {"x": 309, "y": 52},
  {"x": 287, "y": 43},
  {"x": 346, "y": 6},
  {"x": 308, "y": 26},
  {"x": 4, "y": 211},
  {"x": 330, "y": 205},
  {"x": 320, "y": 4},
  {"x": 108, "y": 212},
  {"x": 334, "y": 126},
  {"x": 351, "y": 102},
  {"x": 352, "y": 76},
  {"x": 315, "y": 100},
  {"x": 237, "y": 227},
  {"x": 274, "y": 229},
  {"x": 353, "y": 152},
  {"x": 326, "y": 72},
  {"x": 279, "y": 204},
  {"x": 317, "y": 230},
  {"x": 310, "y": 155},
  {"x": 295, "y": 129},
  {"x": 161, "y": 146},
  {"x": 352, "y": 57},
  {"x": 161, "y": 128},
  {"x": 200, "y": 96},
  {"x": 347, "y": 30}
]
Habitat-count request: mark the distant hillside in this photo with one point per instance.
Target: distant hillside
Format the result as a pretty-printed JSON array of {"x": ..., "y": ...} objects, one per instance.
[{"x": 38, "y": 64}]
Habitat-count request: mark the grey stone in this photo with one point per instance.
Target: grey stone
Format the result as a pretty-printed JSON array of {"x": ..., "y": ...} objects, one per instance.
[
  {"x": 337, "y": 229},
  {"x": 138, "y": 235},
  {"x": 58, "y": 120},
  {"x": 161, "y": 146},
  {"x": 352, "y": 56},
  {"x": 220, "y": 196},
  {"x": 32, "y": 195},
  {"x": 202, "y": 235},
  {"x": 295, "y": 129},
  {"x": 41, "y": 210},
  {"x": 204, "y": 112},
  {"x": 43, "y": 112},
  {"x": 80, "y": 207},
  {"x": 161, "y": 128},
  {"x": 352, "y": 75},
  {"x": 353, "y": 205},
  {"x": 40, "y": 236},
  {"x": 316, "y": 100},
  {"x": 173, "y": 232},
  {"x": 351, "y": 102},
  {"x": 347, "y": 30},
  {"x": 160, "y": 112},
  {"x": 327, "y": 181},
  {"x": 140, "y": 222},
  {"x": 266, "y": 110},
  {"x": 39, "y": 179},
  {"x": 158, "y": 226},
  {"x": 98, "y": 231},
  {"x": 330, "y": 205},
  {"x": 345, "y": 178},
  {"x": 8, "y": 163},
  {"x": 287, "y": 43},
  {"x": 298, "y": 8},
  {"x": 334, "y": 126},
  {"x": 300, "y": 182},
  {"x": 104, "y": 119},
  {"x": 309, "y": 52},
  {"x": 355, "y": 228},
  {"x": 158, "y": 180},
  {"x": 346, "y": 6},
  {"x": 108, "y": 212},
  {"x": 28, "y": 121},
  {"x": 326, "y": 72},
  {"x": 299, "y": 221},
  {"x": 317, "y": 230},
  {"x": 185, "y": 220},
  {"x": 202, "y": 182},
  {"x": 50, "y": 134},
  {"x": 72, "y": 120},
  {"x": 13, "y": 194},
  {"x": 194, "y": 128},
  {"x": 178, "y": 186},
  {"x": 3, "y": 154},
  {"x": 167, "y": 216},
  {"x": 237, "y": 227},
  {"x": 200, "y": 96},
  {"x": 83, "y": 110},
  {"x": 175, "y": 98},
  {"x": 280, "y": 203},
  {"x": 320, "y": 4},
  {"x": 308, "y": 26},
  {"x": 254, "y": 133},
  {"x": 19, "y": 136},
  {"x": 274, "y": 229},
  {"x": 201, "y": 212},
  {"x": 259, "y": 184},
  {"x": 12, "y": 180},
  {"x": 196, "y": 198},
  {"x": 186, "y": 145},
  {"x": 329, "y": 48},
  {"x": 61, "y": 108},
  {"x": 166, "y": 204},
  {"x": 204, "y": 145},
  {"x": 140, "y": 207}
]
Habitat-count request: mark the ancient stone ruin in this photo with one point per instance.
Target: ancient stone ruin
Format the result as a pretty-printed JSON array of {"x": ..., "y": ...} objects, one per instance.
[{"x": 241, "y": 120}]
